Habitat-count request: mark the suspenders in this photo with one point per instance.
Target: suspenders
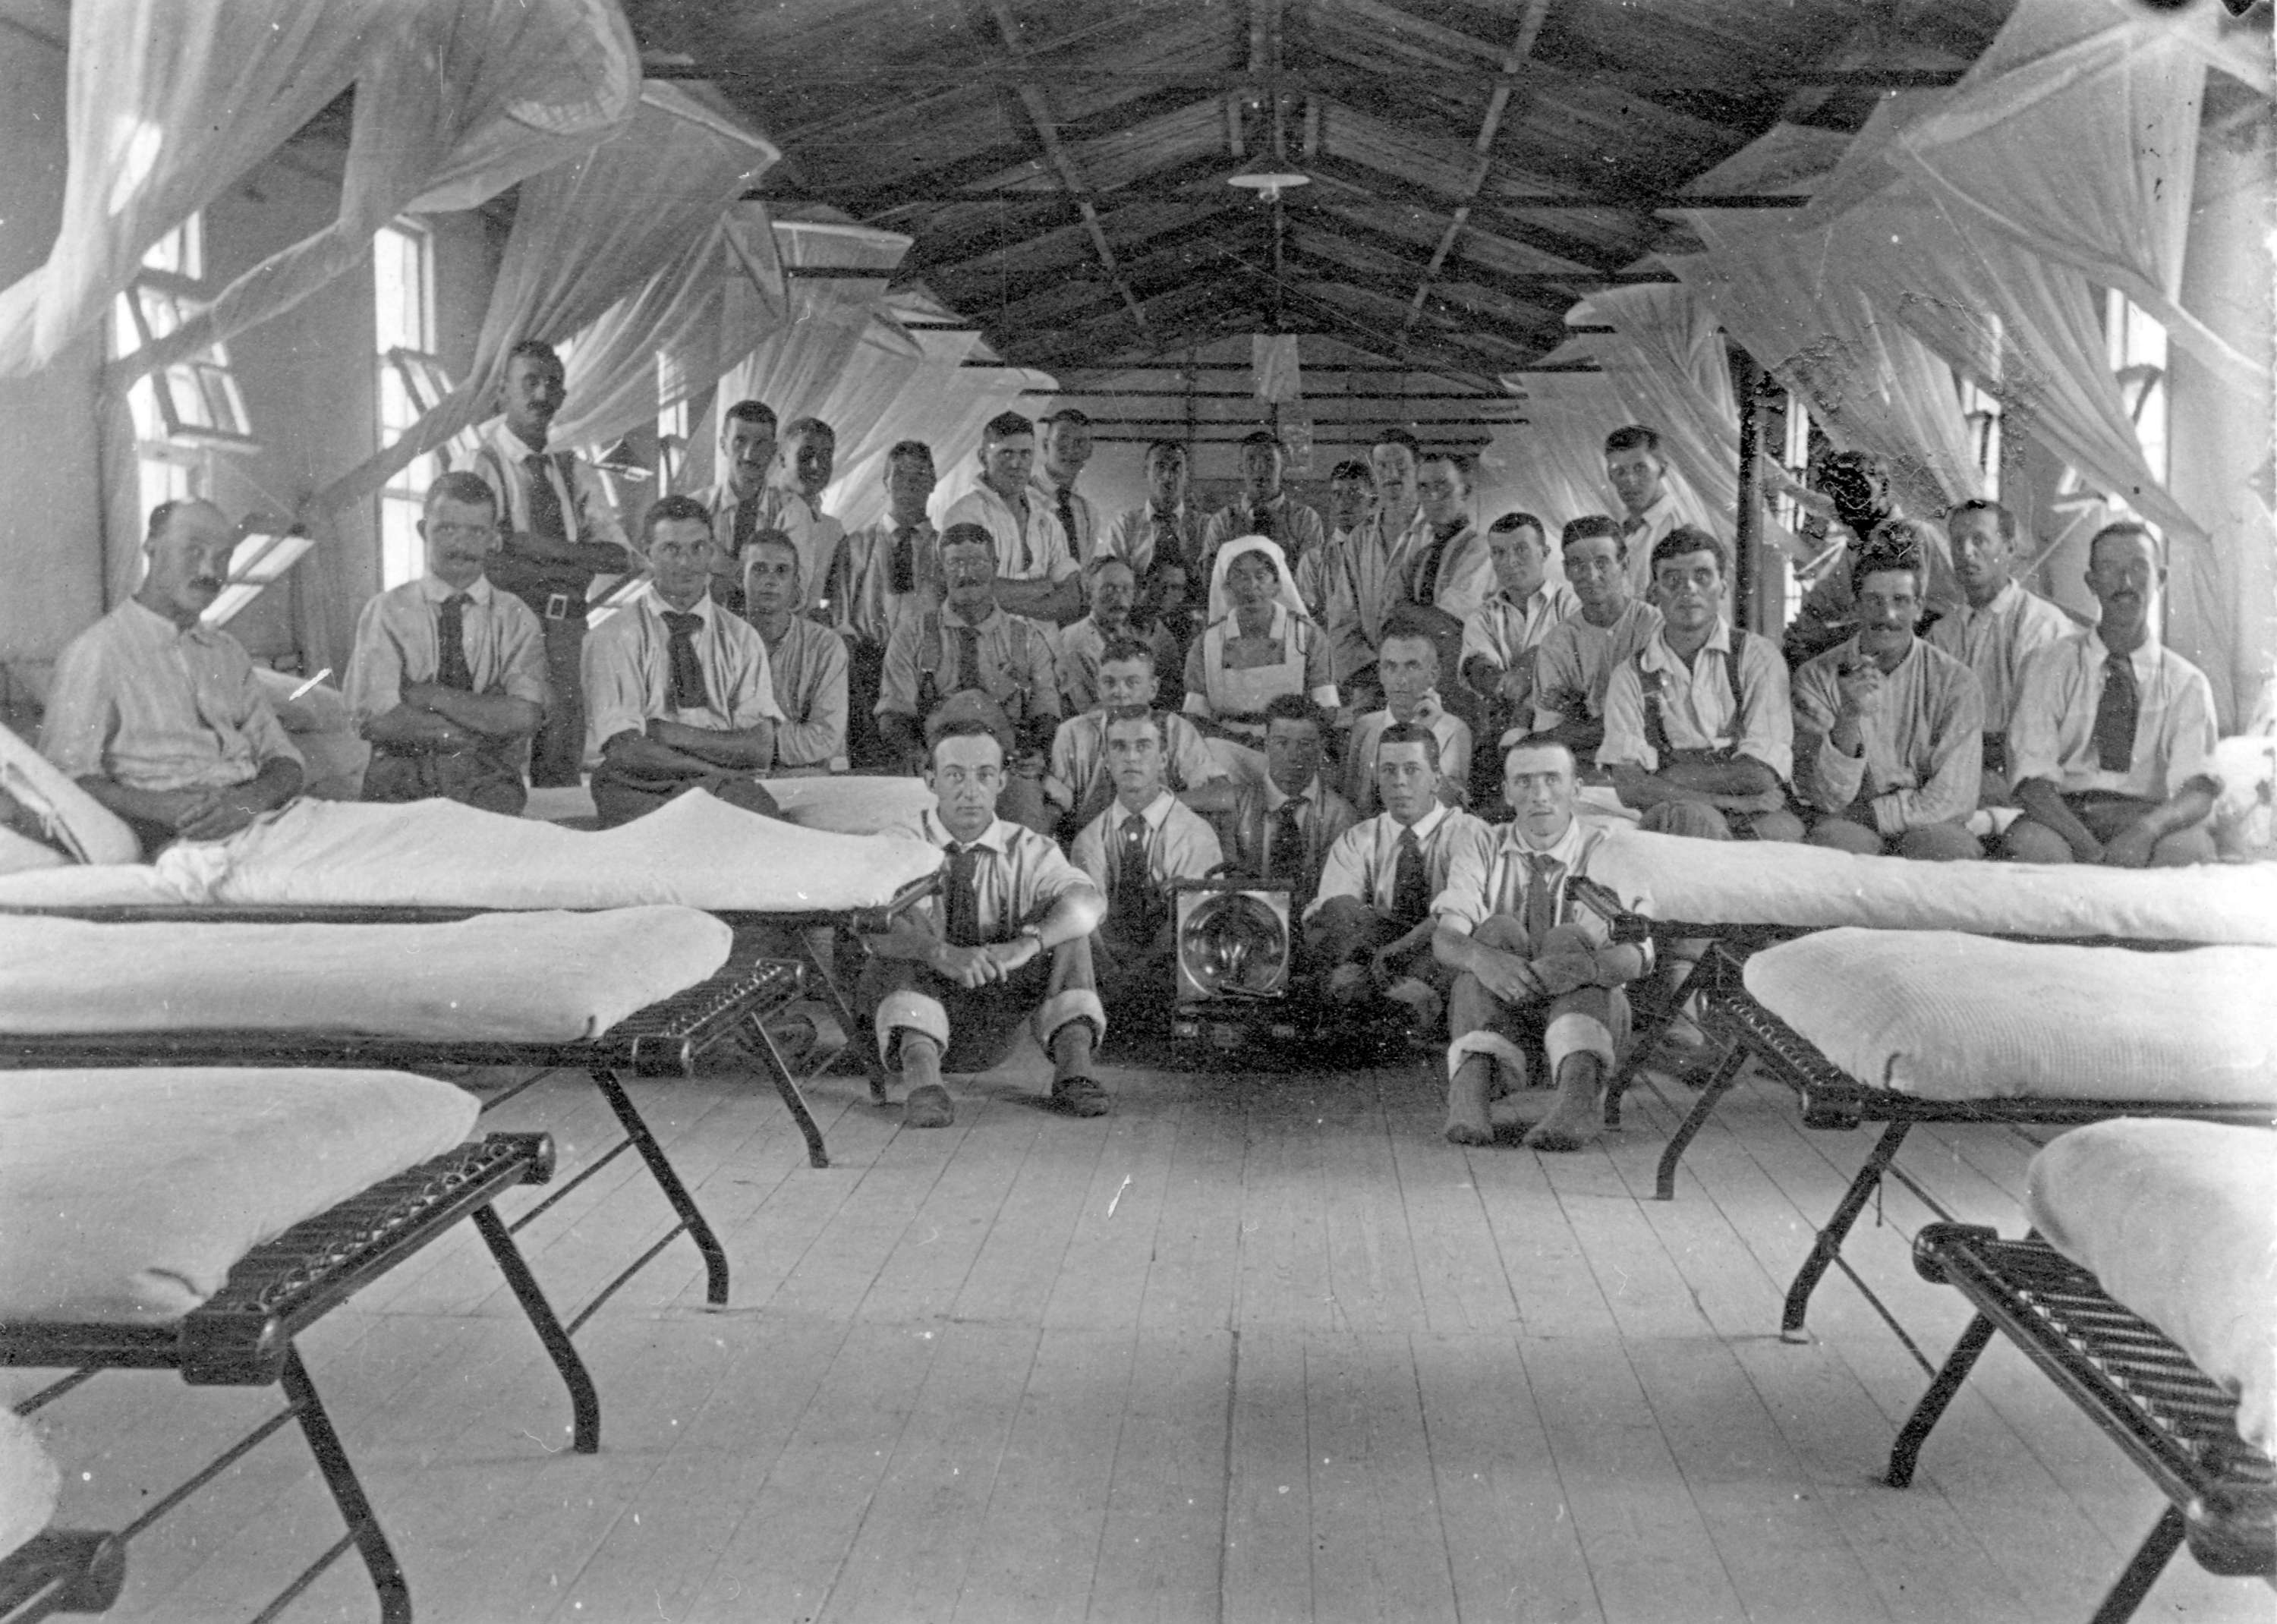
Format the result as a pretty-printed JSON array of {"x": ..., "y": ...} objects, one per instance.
[{"x": 1655, "y": 727}]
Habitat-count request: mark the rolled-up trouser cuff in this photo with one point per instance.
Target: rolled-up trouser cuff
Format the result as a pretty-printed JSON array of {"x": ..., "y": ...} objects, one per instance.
[
  {"x": 1495, "y": 1047},
  {"x": 1572, "y": 1032},
  {"x": 1075, "y": 1004},
  {"x": 904, "y": 1011}
]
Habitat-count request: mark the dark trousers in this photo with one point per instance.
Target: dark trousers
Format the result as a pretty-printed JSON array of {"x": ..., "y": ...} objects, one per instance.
[
  {"x": 865, "y": 746},
  {"x": 984, "y": 1022},
  {"x": 472, "y": 777},
  {"x": 558, "y": 750},
  {"x": 619, "y": 797}
]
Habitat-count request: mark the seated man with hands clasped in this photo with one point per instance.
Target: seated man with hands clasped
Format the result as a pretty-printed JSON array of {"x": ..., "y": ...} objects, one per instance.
[
  {"x": 448, "y": 677},
  {"x": 678, "y": 695},
  {"x": 158, "y": 716},
  {"x": 1532, "y": 968},
  {"x": 1006, "y": 940}
]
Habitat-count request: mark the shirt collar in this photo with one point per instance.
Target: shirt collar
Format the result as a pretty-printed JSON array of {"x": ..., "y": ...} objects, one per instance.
[
  {"x": 1564, "y": 850},
  {"x": 199, "y": 632},
  {"x": 656, "y": 604},
  {"x": 1424, "y": 826},
  {"x": 950, "y": 614},
  {"x": 1176, "y": 515},
  {"x": 2144, "y": 660},
  {"x": 435, "y": 589},
  {"x": 511, "y": 445},
  {"x": 996, "y": 838},
  {"x": 1719, "y": 641},
  {"x": 1273, "y": 799},
  {"x": 1155, "y": 811}
]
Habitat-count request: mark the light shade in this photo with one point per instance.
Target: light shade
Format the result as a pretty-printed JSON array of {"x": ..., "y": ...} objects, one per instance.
[
  {"x": 1268, "y": 178},
  {"x": 1233, "y": 940}
]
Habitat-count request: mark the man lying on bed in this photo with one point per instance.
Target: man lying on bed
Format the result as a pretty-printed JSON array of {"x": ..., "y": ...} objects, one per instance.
[
  {"x": 2111, "y": 748},
  {"x": 448, "y": 676},
  {"x": 1007, "y": 939},
  {"x": 678, "y": 694},
  {"x": 1889, "y": 731},
  {"x": 158, "y": 716}
]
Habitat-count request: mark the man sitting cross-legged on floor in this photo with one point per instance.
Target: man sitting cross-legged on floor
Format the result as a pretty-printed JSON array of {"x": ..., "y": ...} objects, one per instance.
[
  {"x": 1080, "y": 783},
  {"x": 157, "y": 715},
  {"x": 1283, "y": 827},
  {"x": 1132, "y": 851},
  {"x": 678, "y": 695},
  {"x": 1407, "y": 665},
  {"x": 448, "y": 675},
  {"x": 1699, "y": 726},
  {"x": 1532, "y": 971},
  {"x": 1888, "y": 730},
  {"x": 2111, "y": 747},
  {"x": 1006, "y": 940},
  {"x": 1369, "y": 926}
]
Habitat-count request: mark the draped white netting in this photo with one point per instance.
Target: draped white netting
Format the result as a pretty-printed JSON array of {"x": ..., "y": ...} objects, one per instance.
[
  {"x": 585, "y": 233},
  {"x": 457, "y": 101}
]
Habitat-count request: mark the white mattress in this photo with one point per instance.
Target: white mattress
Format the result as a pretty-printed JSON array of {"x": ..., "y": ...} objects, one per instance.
[
  {"x": 1753, "y": 883},
  {"x": 535, "y": 977},
  {"x": 1945, "y": 1016},
  {"x": 127, "y": 1195},
  {"x": 844, "y": 803},
  {"x": 694, "y": 851},
  {"x": 2177, "y": 1220}
]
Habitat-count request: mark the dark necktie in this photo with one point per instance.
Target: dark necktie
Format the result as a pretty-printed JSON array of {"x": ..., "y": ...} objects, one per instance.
[
  {"x": 964, "y": 896},
  {"x": 1134, "y": 901},
  {"x": 1426, "y": 577},
  {"x": 2115, "y": 715},
  {"x": 1411, "y": 885},
  {"x": 1166, "y": 541},
  {"x": 745, "y": 521},
  {"x": 688, "y": 691},
  {"x": 451, "y": 668},
  {"x": 1286, "y": 859},
  {"x": 1632, "y": 527},
  {"x": 1066, "y": 521},
  {"x": 1260, "y": 521},
  {"x": 1539, "y": 909},
  {"x": 968, "y": 657},
  {"x": 545, "y": 502},
  {"x": 905, "y": 575}
]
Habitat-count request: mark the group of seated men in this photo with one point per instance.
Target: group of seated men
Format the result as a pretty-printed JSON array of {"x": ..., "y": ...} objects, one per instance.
[{"x": 1072, "y": 803}]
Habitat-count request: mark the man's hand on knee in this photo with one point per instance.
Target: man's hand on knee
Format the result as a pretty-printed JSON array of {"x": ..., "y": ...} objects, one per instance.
[
  {"x": 1508, "y": 976},
  {"x": 967, "y": 967}
]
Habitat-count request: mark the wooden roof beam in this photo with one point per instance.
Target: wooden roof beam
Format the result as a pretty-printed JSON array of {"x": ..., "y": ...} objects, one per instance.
[
  {"x": 759, "y": 83},
  {"x": 1529, "y": 29}
]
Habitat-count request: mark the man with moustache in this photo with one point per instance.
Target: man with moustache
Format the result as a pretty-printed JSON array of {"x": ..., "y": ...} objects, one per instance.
[
  {"x": 447, "y": 679},
  {"x": 1889, "y": 731},
  {"x": 2111, "y": 747},
  {"x": 1113, "y": 590},
  {"x": 159, "y": 717},
  {"x": 560, "y": 531}
]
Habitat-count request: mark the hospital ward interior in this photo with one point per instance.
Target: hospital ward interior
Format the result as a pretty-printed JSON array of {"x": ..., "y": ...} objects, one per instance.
[{"x": 1213, "y": 811}]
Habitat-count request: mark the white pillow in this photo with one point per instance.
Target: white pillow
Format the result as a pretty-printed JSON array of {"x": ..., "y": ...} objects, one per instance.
[
  {"x": 2177, "y": 1220},
  {"x": 1953, "y": 1017},
  {"x": 127, "y": 1195},
  {"x": 88, "y": 830}
]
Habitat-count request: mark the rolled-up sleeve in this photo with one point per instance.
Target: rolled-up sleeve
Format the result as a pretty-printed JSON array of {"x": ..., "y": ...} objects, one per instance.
[
  {"x": 521, "y": 651},
  {"x": 375, "y": 684},
  {"x": 616, "y": 688},
  {"x": 1829, "y": 778},
  {"x": 1766, "y": 734},
  {"x": 1626, "y": 745}
]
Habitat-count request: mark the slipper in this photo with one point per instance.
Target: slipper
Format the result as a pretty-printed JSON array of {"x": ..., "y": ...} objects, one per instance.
[{"x": 1079, "y": 1096}]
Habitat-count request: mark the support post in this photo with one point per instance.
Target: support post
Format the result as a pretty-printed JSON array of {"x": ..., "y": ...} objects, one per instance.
[{"x": 1747, "y": 534}]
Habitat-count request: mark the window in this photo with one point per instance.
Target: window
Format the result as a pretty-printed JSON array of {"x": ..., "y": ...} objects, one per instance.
[
  {"x": 1794, "y": 456},
  {"x": 411, "y": 380},
  {"x": 2138, "y": 360},
  {"x": 167, "y": 469},
  {"x": 1981, "y": 411},
  {"x": 194, "y": 401}
]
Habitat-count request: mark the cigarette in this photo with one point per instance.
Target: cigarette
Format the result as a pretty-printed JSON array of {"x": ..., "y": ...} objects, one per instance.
[{"x": 310, "y": 683}]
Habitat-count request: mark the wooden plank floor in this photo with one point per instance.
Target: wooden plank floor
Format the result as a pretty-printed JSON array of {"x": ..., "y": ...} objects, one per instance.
[{"x": 1253, "y": 1348}]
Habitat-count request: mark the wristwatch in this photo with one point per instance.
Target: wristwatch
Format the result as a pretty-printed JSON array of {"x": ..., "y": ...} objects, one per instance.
[{"x": 1036, "y": 931}]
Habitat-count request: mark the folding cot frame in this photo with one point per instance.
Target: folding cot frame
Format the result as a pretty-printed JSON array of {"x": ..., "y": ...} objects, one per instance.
[
  {"x": 662, "y": 1040},
  {"x": 245, "y": 1335},
  {"x": 2174, "y": 1421},
  {"x": 1833, "y": 1099}
]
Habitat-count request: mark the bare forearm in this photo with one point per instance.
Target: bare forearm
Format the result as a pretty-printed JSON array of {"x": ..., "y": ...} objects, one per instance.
[
  {"x": 906, "y": 942},
  {"x": 1041, "y": 600},
  {"x": 2189, "y": 807},
  {"x": 1076, "y": 913},
  {"x": 497, "y": 715},
  {"x": 408, "y": 728},
  {"x": 2044, "y": 803}
]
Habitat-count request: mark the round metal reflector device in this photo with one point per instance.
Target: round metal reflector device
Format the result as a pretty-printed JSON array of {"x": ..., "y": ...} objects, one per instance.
[{"x": 1235, "y": 945}]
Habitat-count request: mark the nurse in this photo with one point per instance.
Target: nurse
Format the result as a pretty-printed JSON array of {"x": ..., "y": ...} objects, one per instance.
[{"x": 1258, "y": 646}]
